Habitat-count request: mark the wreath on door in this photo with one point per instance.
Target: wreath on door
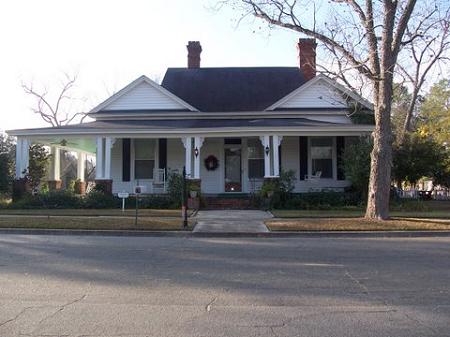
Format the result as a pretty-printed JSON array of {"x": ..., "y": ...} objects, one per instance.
[{"x": 211, "y": 163}]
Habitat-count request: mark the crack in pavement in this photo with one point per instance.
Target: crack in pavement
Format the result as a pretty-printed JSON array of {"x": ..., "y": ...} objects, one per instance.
[
  {"x": 358, "y": 282},
  {"x": 62, "y": 307},
  {"x": 15, "y": 317},
  {"x": 209, "y": 305},
  {"x": 420, "y": 323}
]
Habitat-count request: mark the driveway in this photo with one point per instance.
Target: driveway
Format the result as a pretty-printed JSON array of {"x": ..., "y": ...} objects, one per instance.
[
  {"x": 231, "y": 221},
  {"x": 123, "y": 286}
]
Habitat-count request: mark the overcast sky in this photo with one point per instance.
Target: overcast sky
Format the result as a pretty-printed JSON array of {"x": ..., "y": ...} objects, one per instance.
[{"x": 110, "y": 43}]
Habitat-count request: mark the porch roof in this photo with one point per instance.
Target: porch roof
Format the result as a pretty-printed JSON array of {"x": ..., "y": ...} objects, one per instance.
[{"x": 189, "y": 126}]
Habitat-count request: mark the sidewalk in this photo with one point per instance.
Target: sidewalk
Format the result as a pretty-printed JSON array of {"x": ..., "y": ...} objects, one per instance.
[{"x": 231, "y": 221}]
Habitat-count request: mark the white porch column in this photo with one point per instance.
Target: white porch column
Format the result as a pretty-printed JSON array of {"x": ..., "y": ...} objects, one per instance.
[
  {"x": 276, "y": 140},
  {"x": 198, "y": 142},
  {"x": 187, "y": 142},
  {"x": 265, "y": 140},
  {"x": 99, "y": 159},
  {"x": 55, "y": 171},
  {"x": 22, "y": 157},
  {"x": 108, "y": 147},
  {"x": 19, "y": 158},
  {"x": 81, "y": 165}
]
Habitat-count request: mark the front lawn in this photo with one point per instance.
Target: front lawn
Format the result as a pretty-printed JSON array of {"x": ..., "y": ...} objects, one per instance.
[
  {"x": 355, "y": 224},
  {"x": 423, "y": 209},
  {"x": 96, "y": 222},
  {"x": 93, "y": 212}
]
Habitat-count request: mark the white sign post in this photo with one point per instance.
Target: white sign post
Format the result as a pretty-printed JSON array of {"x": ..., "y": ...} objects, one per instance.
[{"x": 123, "y": 196}]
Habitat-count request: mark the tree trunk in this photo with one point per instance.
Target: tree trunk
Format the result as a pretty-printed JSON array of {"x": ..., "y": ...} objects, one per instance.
[{"x": 381, "y": 157}]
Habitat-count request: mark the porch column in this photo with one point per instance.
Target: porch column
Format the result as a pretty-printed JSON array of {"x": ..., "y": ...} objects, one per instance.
[
  {"x": 265, "y": 140},
  {"x": 276, "y": 141},
  {"x": 187, "y": 142},
  {"x": 108, "y": 147},
  {"x": 198, "y": 142},
  {"x": 80, "y": 183},
  {"x": 22, "y": 157},
  {"x": 81, "y": 166},
  {"x": 20, "y": 186},
  {"x": 54, "y": 182},
  {"x": 99, "y": 159}
]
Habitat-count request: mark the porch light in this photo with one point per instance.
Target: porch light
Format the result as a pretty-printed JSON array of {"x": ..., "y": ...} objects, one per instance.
[
  {"x": 267, "y": 150},
  {"x": 196, "y": 152}
]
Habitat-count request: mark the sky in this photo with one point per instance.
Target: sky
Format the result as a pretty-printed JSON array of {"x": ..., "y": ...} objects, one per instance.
[{"x": 107, "y": 44}]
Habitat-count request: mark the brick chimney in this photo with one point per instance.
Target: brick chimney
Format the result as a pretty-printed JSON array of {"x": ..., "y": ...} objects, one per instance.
[
  {"x": 307, "y": 57},
  {"x": 194, "y": 50}
]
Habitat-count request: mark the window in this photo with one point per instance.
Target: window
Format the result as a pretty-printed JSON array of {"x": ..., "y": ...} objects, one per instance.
[
  {"x": 322, "y": 156},
  {"x": 144, "y": 158},
  {"x": 255, "y": 159}
]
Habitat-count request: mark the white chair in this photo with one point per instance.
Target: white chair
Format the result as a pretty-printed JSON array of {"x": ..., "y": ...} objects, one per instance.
[
  {"x": 159, "y": 180},
  {"x": 313, "y": 177}
]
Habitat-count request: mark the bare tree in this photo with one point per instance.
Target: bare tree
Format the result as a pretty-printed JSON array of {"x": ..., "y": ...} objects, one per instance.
[
  {"x": 55, "y": 114},
  {"x": 363, "y": 37},
  {"x": 428, "y": 50}
]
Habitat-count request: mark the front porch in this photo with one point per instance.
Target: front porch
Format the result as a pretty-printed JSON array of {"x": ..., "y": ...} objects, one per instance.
[{"x": 231, "y": 165}]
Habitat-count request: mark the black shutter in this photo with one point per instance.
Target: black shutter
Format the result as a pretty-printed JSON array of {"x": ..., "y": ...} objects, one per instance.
[
  {"x": 279, "y": 158},
  {"x": 162, "y": 150},
  {"x": 303, "y": 147},
  {"x": 340, "y": 147},
  {"x": 126, "y": 159}
]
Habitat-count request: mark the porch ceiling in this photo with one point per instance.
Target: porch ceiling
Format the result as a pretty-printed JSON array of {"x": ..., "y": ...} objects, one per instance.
[{"x": 83, "y": 144}]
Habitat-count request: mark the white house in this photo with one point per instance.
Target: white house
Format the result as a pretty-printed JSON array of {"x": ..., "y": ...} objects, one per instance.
[{"x": 229, "y": 127}]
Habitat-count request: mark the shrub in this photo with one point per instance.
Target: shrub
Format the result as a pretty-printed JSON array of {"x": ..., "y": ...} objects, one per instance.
[
  {"x": 324, "y": 200},
  {"x": 356, "y": 164},
  {"x": 97, "y": 199},
  {"x": 50, "y": 200},
  {"x": 155, "y": 202},
  {"x": 175, "y": 188},
  {"x": 278, "y": 190}
]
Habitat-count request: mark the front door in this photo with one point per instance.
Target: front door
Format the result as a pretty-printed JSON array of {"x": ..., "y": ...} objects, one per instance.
[{"x": 233, "y": 179}]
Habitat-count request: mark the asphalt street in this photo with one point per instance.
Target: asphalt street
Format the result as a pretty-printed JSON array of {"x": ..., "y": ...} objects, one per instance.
[{"x": 160, "y": 286}]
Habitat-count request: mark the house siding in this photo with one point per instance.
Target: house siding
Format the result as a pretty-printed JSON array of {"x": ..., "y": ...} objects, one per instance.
[
  {"x": 318, "y": 95},
  {"x": 213, "y": 181},
  {"x": 144, "y": 97}
]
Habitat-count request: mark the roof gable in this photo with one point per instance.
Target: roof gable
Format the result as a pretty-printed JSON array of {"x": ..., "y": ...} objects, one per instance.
[
  {"x": 320, "y": 92},
  {"x": 143, "y": 94}
]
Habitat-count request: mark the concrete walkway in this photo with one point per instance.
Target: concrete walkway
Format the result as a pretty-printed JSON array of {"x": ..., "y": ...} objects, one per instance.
[{"x": 231, "y": 221}]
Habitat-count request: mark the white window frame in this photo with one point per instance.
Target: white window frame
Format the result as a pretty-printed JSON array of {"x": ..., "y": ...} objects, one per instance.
[
  {"x": 248, "y": 158},
  {"x": 133, "y": 157},
  {"x": 333, "y": 156}
]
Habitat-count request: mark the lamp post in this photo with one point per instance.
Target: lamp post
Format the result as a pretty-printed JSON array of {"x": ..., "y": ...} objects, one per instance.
[{"x": 184, "y": 208}]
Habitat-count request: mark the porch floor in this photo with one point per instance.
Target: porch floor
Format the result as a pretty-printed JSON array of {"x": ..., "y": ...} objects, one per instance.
[{"x": 236, "y": 221}]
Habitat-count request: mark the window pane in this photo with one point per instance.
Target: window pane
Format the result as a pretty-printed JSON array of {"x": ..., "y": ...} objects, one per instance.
[
  {"x": 143, "y": 169},
  {"x": 255, "y": 149},
  {"x": 323, "y": 165},
  {"x": 144, "y": 149},
  {"x": 321, "y": 152},
  {"x": 321, "y": 141},
  {"x": 255, "y": 168}
]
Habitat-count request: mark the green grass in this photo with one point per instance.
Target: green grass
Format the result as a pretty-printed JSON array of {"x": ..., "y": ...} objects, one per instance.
[
  {"x": 426, "y": 209},
  {"x": 93, "y": 212},
  {"x": 283, "y": 213},
  {"x": 102, "y": 223},
  {"x": 355, "y": 224}
]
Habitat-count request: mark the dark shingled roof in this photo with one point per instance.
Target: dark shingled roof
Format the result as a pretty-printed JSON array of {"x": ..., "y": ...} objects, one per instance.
[{"x": 232, "y": 89}]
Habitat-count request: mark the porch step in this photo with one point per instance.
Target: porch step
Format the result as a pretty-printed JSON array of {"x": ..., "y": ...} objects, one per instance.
[{"x": 227, "y": 203}]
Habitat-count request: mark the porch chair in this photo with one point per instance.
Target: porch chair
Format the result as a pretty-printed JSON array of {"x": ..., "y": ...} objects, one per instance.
[
  {"x": 313, "y": 177},
  {"x": 159, "y": 180}
]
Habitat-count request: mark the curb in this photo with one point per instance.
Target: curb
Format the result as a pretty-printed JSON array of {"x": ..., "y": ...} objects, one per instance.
[{"x": 188, "y": 234}]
